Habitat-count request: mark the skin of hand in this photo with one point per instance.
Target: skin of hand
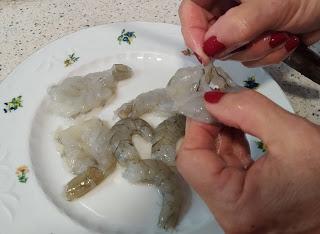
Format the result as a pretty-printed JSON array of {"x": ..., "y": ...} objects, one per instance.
[
  {"x": 253, "y": 32},
  {"x": 278, "y": 193}
]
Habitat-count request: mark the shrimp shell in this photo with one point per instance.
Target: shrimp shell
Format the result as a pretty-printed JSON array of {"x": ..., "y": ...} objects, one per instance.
[
  {"x": 80, "y": 94},
  {"x": 166, "y": 137},
  {"x": 121, "y": 138},
  {"x": 157, "y": 173},
  {"x": 85, "y": 182},
  {"x": 86, "y": 152}
]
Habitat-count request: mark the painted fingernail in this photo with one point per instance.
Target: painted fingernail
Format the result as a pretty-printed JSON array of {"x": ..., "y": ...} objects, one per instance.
[
  {"x": 198, "y": 57},
  {"x": 292, "y": 43},
  {"x": 212, "y": 46},
  {"x": 213, "y": 96},
  {"x": 277, "y": 39}
]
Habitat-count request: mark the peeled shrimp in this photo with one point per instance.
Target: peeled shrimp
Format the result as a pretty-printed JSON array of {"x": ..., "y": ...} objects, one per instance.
[
  {"x": 157, "y": 173},
  {"x": 183, "y": 94},
  {"x": 166, "y": 137},
  {"x": 81, "y": 94},
  {"x": 121, "y": 138}
]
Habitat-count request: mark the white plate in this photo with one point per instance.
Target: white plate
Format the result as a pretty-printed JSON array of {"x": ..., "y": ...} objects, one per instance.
[{"x": 116, "y": 206}]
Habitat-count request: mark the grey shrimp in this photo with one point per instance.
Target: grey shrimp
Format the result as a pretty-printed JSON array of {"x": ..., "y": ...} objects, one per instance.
[
  {"x": 166, "y": 137},
  {"x": 121, "y": 138},
  {"x": 157, "y": 173}
]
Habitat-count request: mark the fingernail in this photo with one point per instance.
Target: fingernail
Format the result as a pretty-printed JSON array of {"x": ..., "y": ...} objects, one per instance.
[
  {"x": 213, "y": 96},
  {"x": 198, "y": 57},
  {"x": 292, "y": 43},
  {"x": 277, "y": 39},
  {"x": 213, "y": 47}
]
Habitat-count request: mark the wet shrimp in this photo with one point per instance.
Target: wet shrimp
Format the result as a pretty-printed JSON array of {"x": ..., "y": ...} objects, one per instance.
[
  {"x": 85, "y": 182},
  {"x": 183, "y": 94},
  {"x": 83, "y": 147},
  {"x": 157, "y": 173},
  {"x": 166, "y": 137},
  {"x": 80, "y": 94},
  {"x": 121, "y": 138},
  {"x": 156, "y": 100}
]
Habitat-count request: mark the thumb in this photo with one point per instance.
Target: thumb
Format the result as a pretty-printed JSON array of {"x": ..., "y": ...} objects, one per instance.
[
  {"x": 253, "y": 113},
  {"x": 238, "y": 26}
]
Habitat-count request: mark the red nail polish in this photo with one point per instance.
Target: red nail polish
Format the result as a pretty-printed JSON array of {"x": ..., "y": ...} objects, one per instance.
[
  {"x": 292, "y": 43},
  {"x": 213, "y": 96},
  {"x": 213, "y": 47},
  {"x": 277, "y": 39},
  {"x": 198, "y": 57}
]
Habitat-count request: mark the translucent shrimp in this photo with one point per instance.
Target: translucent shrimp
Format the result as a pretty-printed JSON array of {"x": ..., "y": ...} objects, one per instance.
[
  {"x": 85, "y": 182},
  {"x": 81, "y": 94},
  {"x": 83, "y": 145},
  {"x": 187, "y": 87},
  {"x": 166, "y": 137},
  {"x": 157, "y": 173},
  {"x": 183, "y": 94},
  {"x": 156, "y": 100},
  {"x": 121, "y": 138},
  {"x": 105, "y": 148},
  {"x": 86, "y": 154}
]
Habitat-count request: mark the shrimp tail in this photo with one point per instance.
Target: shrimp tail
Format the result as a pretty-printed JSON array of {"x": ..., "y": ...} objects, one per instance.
[{"x": 86, "y": 181}]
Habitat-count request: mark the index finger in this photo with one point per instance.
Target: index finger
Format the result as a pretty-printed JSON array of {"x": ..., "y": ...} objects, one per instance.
[{"x": 194, "y": 24}]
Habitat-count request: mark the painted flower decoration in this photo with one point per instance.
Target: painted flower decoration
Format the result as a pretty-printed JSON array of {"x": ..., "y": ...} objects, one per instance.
[
  {"x": 187, "y": 52},
  {"x": 70, "y": 60},
  {"x": 13, "y": 105},
  {"x": 21, "y": 173},
  {"x": 251, "y": 83},
  {"x": 126, "y": 37},
  {"x": 261, "y": 146}
]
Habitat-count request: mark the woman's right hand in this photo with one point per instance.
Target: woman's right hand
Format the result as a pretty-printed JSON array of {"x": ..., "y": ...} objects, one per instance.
[
  {"x": 278, "y": 193},
  {"x": 217, "y": 28}
]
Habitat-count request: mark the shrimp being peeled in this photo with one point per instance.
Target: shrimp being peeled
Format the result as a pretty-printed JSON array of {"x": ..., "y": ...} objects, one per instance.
[
  {"x": 157, "y": 173},
  {"x": 80, "y": 94},
  {"x": 166, "y": 137},
  {"x": 183, "y": 94}
]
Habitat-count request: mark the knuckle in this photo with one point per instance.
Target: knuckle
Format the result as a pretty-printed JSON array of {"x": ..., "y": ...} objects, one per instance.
[{"x": 240, "y": 25}]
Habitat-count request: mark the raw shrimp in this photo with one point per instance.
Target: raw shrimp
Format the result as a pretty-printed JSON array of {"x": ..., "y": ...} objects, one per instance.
[
  {"x": 81, "y": 94},
  {"x": 85, "y": 182},
  {"x": 85, "y": 151},
  {"x": 187, "y": 87},
  {"x": 157, "y": 173},
  {"x": 154, "y": 100},
  {"x": 166, "y": 137},
  {"x": 121, "y": 138},
  {"x": 183, "y": 94}
]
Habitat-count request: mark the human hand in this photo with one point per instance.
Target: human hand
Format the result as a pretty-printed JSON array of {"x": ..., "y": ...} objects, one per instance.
[
  {"x": 278, "y": 193},
  {"x": 252, "y": 32}
]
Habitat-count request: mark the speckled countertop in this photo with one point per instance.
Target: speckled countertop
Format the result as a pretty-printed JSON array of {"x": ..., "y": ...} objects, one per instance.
[{"x": 27, "y": 25}]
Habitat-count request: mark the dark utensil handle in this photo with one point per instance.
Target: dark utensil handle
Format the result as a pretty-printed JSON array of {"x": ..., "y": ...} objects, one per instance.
[{"x": 305, "y": 61}]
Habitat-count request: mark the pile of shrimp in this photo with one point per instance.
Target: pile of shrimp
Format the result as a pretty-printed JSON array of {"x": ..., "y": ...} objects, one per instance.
[{"x": 91, "y": 149}]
